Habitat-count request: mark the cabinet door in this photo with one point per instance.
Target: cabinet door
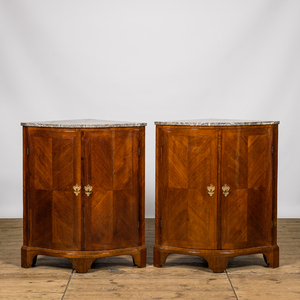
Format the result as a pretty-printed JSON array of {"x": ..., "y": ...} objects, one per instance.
[
  {"x": 187, "y": 166},
  {"x": 247, "y": 170},
  {"x": 53, "y": 169},
  {"x": 111, "y": 168}
]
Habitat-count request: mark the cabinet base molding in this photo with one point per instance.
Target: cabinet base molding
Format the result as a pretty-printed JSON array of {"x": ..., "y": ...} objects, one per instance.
[
  {"x": 82, "y": 260},
  {"x": 217, "y": 259}
]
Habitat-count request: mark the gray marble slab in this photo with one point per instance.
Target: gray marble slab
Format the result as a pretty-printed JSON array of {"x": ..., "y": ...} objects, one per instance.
[
  {"x": 215, "y": 122},
  {"x": 83, "y": 123}
]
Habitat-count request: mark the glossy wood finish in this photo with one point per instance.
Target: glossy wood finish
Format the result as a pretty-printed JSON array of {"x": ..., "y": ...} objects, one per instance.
[
  {"x": 216, "y": 227},
  {"x": 247, "y": 169},
  {"x": 54, "y": 166},
  {"x": 111, "y": 168},
  {"x": 82, "y": 228}
]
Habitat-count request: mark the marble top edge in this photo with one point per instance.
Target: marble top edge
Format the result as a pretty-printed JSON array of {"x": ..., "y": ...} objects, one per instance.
[
  {"x": 215, "y": 122},
  {"x": 83, "y": 123}
]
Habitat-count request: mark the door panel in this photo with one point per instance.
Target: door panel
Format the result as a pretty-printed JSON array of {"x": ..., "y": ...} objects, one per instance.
[
  {"x": 189, "y": 165},
  {"x": 247, "y": 170},
  {"x": 111, "y": 168},
  {"x": 55, "y": 211}
]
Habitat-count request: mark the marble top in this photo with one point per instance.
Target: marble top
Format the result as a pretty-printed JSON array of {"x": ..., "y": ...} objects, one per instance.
[
  {"x": 83, "y": 123},
  {"x": 215, "y": 122}
]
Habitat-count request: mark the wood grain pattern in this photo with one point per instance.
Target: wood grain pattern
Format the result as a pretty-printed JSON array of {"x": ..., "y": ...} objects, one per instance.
[
  {"x": 188, "y": 212},
  {"x": 247, "y": 169},
  {"x": 111, "y": 212},
  {"x": 141, "y": 186},
  {"x": 54, "y": 210},
  {"x": 108, "y": 222},
  {"x": 188, "y": 220}
]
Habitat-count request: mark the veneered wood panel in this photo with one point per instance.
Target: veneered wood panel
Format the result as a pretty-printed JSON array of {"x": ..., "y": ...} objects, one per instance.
[
  {"x": 63, "y": 167},
  {"x": 247, "y": 169},
  {"x": 54, "y": 210},
  {"x": 125, "y": 211},
  {"x": 123, "y": 160},
  {"x": 178, "y": 162},
  {"x": 235, "y": 216},
  {"x": 112, "y": 210},
  {"x": 99, "y": 220},
  {"x": 40, "y": 218},
  {"x": 141, "y": 184},
  {"x": 175, "y": 218},
  {"x": 189, "y": 165},
  {"x": 65, "y": 226},
  {"x": 42, "y": 146},
  {"x": 259, "y": 153},
  {"x": 98, "y": 161},
  {"x": 188, "y": 220}
]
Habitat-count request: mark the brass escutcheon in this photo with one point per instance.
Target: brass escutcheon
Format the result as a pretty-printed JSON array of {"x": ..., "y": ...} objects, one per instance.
[
  {"x": 211, "y": 190},
  {"x": 225, "y": 189},
  {"x": 76, "y": 189},
  {"x": 88, "y": 190}
]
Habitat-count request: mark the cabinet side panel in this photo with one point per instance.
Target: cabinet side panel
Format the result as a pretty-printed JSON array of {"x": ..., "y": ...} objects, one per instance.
[
  {"x": 142, "y": 186},
  {"x": 274, "y": 184},
  {"x": 25, "y": 188},
  {"x": 159, "y": 183}
]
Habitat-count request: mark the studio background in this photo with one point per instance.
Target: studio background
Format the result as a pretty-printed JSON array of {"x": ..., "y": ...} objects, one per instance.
[{"x": 149, "y": 61}]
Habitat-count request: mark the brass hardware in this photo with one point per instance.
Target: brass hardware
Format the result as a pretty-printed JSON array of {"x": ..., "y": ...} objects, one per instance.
[
  {"x": 225, "y": 189},
  {"x": 76, "y": 189},
  {"x": 88, "y": 190},
  {"x": 211, "y": 190}
]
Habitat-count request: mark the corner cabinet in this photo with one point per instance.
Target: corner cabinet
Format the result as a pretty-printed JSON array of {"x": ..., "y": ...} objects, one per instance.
[
  {"x": 83, "y": 190},
  {"x": 216, "y": 190}
]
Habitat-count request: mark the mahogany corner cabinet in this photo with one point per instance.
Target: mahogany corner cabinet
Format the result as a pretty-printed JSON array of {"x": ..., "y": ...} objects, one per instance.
[
  {"x": 83, "y": 191},
  {"x": 216, "y": 190}
]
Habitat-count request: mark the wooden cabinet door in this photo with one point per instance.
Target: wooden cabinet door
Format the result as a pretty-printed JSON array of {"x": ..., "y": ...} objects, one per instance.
[
  {"x": 247, "y": 169},
  {"x": 54, "y": 211},
  {"x": 187, "y": 166},
  {"x": 111, "y": 168}
]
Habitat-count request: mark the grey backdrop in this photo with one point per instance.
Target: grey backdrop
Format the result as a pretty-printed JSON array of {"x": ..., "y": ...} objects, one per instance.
[{"x": 145, "y": 61}]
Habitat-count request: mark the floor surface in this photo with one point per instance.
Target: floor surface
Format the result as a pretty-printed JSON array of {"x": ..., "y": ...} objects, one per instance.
[{"x": 182, "y": 277}]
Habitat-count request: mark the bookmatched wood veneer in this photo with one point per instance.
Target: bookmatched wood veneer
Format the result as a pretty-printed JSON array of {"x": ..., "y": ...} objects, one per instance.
[
  {"x": 82, "y": 224},
  {"x": 216, "y": 192}
]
